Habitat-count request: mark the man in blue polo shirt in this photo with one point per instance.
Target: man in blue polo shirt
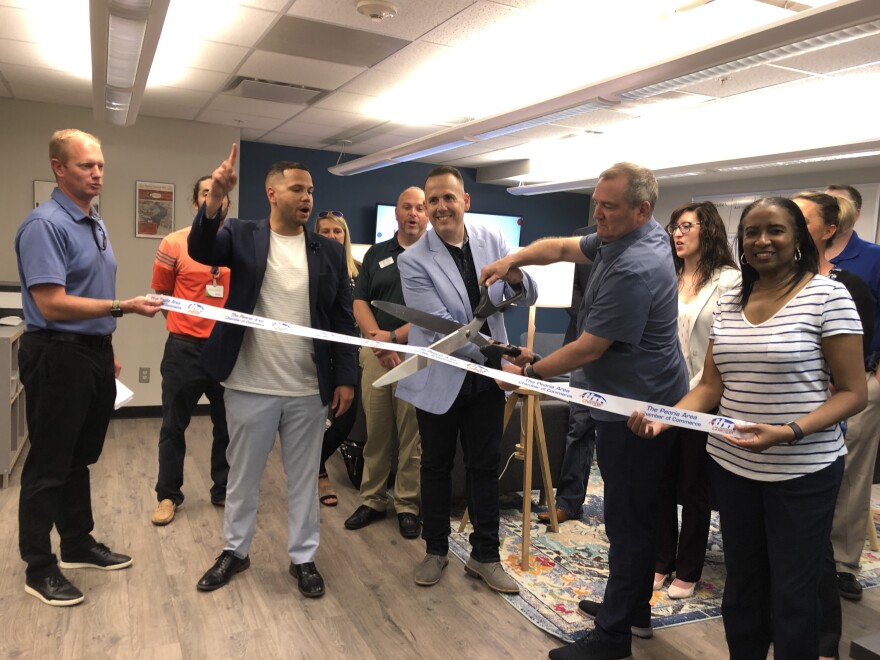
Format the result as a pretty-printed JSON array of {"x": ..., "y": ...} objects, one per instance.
[
  {"x": 68, "y": 282},
  {"x": 628, "y": 347},
  {"x": 855, "y": 255}
]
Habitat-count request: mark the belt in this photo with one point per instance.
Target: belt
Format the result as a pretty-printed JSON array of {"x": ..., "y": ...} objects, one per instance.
[
  {"x": 92, "y": 341},
  {"x": 188, "y": 338}
]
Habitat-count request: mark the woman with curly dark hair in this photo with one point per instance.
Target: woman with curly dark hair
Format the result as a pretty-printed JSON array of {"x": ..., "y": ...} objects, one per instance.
[{"x": 706, "y": 270}]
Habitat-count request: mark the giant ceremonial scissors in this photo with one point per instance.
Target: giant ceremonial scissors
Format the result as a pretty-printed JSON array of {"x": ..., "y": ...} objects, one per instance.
[{"x": 457, "y": 334}]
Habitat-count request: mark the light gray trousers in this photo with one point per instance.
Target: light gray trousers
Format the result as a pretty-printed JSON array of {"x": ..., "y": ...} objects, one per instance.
[{"x": 253, "y": 421}]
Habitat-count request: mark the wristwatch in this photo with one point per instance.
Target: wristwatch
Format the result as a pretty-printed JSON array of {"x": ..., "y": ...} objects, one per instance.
[
  {"x": 393, "y": 335},
  {"x": 115, "y": 309}
]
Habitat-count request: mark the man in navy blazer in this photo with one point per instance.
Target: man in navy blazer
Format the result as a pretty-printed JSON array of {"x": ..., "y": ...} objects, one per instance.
[
  {"x": 439, "y": 276},
  {"x": 275, "y": 383}
]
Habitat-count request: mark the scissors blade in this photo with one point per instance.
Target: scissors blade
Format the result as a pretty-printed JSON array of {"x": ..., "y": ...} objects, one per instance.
[
  {"x": 418, "y": 317},
  {"x": 448, "y": 345}
]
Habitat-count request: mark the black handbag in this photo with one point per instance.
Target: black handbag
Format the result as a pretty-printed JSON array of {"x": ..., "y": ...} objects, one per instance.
[{"x": 353, "y": 457}]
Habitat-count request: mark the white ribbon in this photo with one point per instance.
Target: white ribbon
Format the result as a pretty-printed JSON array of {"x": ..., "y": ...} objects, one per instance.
[{"x": 614, "y": 404}]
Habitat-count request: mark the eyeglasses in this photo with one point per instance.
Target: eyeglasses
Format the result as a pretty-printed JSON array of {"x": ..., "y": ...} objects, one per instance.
[
  {"x": 335, "y": 214},
  {"x": 96, "y": 228},
  {"x": 684, "y": 227}
]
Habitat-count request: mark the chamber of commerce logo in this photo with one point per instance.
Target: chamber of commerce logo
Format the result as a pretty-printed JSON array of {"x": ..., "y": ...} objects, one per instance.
[
  {"x": 722, "y": 425},
  {"x": 591, "y": 398},
  {"x": 280, "y": 325},
  {"x": 479, "y": 369},
  {"x": 195, "y": 308}
]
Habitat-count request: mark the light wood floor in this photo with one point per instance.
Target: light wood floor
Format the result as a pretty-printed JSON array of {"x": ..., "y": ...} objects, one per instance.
[{"x": 372, "y": 609}]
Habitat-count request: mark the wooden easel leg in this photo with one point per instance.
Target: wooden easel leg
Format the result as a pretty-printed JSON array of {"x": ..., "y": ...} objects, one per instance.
[
  {"x": 872, "y": 534},
  {"x": 546, "y": 477},
  {"x": 528, "y": 415}
]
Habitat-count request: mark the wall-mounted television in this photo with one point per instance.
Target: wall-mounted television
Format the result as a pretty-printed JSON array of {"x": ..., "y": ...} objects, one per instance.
[{"x": 508, "y": 225}]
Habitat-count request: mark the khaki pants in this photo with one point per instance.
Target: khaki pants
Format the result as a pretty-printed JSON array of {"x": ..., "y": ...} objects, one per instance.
[
  {"x": 854, "y": 501},
  {"x": 382, "y": 410}
]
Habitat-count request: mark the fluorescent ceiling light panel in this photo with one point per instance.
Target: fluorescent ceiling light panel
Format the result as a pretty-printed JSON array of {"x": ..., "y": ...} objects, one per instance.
[
  {"x": 125, "y": 38},
  {"x": 798, "y": 161},
  {"x": 576, "y": 111},
  {"x": 431, "y": 151}
]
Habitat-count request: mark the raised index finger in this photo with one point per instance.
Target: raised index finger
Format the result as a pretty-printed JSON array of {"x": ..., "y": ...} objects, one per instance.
[{"x": 233, "y": 154}]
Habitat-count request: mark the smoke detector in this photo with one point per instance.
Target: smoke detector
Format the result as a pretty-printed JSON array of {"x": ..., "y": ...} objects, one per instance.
[{"x": 377, "y": 10}]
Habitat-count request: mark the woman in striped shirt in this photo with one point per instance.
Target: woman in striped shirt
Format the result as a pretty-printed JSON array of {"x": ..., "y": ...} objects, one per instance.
[{"x": 775, "y": 343}]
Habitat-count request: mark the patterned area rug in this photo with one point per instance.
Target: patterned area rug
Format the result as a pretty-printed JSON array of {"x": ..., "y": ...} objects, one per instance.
[{"x": 573, "y": 565}]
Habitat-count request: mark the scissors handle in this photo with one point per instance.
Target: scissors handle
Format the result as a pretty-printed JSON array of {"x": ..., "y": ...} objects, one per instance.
[
  {"x": 485, "y": 308},
  {"x": 494, "y": 353}
]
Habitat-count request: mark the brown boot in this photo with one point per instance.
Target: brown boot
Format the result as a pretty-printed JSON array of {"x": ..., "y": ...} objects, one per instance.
[{"x": 561, "y": 516}]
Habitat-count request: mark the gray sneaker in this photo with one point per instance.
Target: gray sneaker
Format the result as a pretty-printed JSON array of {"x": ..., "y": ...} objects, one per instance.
[
  {"x": 429, "y": 570},
  {"x": 492, "y": 574}
]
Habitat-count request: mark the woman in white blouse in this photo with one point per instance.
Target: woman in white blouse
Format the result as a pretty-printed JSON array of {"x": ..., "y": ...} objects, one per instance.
[
  {"x": 706, "y": 270},
  {"x": 776, "y": 342}
]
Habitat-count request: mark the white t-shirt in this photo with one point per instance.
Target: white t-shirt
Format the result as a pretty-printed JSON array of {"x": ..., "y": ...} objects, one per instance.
[
  {"x": 271, "y": 362},
  {"x": 774, "y": 372}
]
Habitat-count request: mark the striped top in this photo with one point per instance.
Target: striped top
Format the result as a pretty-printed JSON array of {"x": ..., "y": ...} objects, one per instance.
[{"x": 774, "y": 372}]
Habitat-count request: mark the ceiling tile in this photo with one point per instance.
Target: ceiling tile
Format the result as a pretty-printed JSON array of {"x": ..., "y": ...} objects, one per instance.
[
  {"x": 371, "y": 82},
  {"x": 297, "y": 70},
  {"x": 78, "y": 97},
  {"x": 199, "y": 79},
  {"x": 173, "y": 96},
  {"x": 237, "y": 119},
  {"x": 244, "y": 27},
  {"x": 835, "y": 58},
  {"x": 255, "y": 107},
  {"x": 293, "y": 140},
  {"x": 167, "y": 110},
  {"x": 270, "y": 5},
  {"x": 344, "y": 102},
  {"x": 407, "y": 61},
  {"x": 299, "y": 126},
  {"x": 334, "y": 118},
  {"x": 24, "y": 53},
  {"x": 467, "y": 25},
  {"x": 304, "y": 38},
  {"x": 252, "y": 133},
  {"x": 14, "y": 24},
  {"x": 744, "y": 81},
  {"x": 413, "y": 19},
  {"x": 213, "y": 56},
  {"x": 29, "y": 75}
]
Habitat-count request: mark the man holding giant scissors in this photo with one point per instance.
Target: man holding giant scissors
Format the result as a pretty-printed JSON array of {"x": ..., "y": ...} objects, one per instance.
[{"x": 439, "y": 276}]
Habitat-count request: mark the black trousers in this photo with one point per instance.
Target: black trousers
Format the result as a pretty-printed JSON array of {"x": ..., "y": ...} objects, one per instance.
[
  {"x": 631, "y": 468},
  {"x": 340, "y": 427},
  {"x": 685, "y": 480},
  {"x": 184, "y": 380},
  {"x": 70, "y": 391},
  {"x": 477, "y": 418},
  {"x": 776, "y": 536}
]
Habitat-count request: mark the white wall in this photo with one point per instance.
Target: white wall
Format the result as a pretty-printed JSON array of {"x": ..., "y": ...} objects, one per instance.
[
  {"x": 158, "y": 150},
  {"x": 865, "y": 180}
]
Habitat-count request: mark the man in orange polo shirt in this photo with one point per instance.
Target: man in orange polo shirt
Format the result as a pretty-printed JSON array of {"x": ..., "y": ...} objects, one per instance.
[{"x": 184, "y": 380}]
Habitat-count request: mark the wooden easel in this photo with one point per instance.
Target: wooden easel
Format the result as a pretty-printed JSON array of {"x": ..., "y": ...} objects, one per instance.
[{"x": 531, "y": 426}]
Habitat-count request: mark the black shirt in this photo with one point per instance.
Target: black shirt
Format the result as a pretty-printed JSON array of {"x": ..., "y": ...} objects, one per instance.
[{"x": 379, "y": 279}]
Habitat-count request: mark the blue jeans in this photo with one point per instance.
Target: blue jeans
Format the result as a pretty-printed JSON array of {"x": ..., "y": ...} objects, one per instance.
[{"x": 184, "y": 380}]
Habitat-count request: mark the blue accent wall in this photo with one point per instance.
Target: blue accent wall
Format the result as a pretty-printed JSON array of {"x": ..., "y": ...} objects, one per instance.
[{"x": 555, "y": 214}]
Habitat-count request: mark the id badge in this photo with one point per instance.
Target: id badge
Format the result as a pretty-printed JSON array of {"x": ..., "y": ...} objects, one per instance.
[{"x": 214, "y": 290}]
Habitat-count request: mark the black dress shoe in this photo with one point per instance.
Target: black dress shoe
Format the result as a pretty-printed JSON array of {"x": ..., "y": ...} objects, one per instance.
[
  {"x": 363, "y": 516},
  {"x": 849, "y": 586},
  {"x": 410, "y": 526},
  {"x": 643, "y": 630},
  {"x": 311, "y": 584},
  {"x": 98, "y": 556},
  {"x": 221, "y": 572},
  {"x": 54, "y": 590}
]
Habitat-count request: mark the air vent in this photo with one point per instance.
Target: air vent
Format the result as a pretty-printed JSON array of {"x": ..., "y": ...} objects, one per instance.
[{"x": 269, "y": 90}]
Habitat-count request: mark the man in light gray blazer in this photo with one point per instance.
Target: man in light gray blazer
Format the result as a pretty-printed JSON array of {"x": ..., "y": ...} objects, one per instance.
[{"x": 440, "y": 276}]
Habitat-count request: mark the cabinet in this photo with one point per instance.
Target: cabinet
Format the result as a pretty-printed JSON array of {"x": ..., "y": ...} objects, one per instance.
[{"x": 13, "y": 422}]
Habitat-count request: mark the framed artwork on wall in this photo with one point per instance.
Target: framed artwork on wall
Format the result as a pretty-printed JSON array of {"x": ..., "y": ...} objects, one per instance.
[{"x": 154, "y": 209}]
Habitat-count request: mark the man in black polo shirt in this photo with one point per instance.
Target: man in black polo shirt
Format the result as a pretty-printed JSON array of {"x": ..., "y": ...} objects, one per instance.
[{"x": 379, "y": 279}]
